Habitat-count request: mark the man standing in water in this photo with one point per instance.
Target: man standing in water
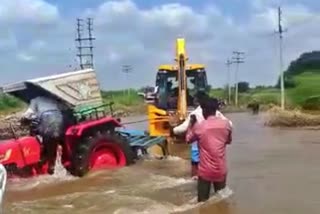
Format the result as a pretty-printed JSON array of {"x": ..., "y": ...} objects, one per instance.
[
  {"x": 50, "y": 126},
  {"x": 212, "y": 135},
  {"x": 182, "y": 128}
]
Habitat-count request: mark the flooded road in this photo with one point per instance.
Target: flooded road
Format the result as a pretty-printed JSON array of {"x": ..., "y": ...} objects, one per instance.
[{"x": 270, "y": 171}]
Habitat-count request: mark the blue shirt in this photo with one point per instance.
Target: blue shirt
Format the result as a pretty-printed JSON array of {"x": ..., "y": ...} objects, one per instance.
[{"x": 195, "y": 152}]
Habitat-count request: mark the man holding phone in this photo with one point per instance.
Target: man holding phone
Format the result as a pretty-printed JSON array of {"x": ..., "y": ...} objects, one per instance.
[
  {"x": 200, "y": 97},
  {"x": 212, "y": 135}
]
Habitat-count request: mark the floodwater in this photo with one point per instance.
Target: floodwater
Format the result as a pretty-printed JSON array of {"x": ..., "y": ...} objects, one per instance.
[{"x": 271, "y": 171}]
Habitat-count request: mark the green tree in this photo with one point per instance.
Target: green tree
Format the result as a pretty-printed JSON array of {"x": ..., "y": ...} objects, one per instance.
[{"x": 243, "y": 87}]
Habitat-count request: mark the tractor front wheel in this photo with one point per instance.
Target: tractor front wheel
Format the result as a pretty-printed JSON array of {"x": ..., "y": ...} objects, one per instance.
[{"x": 101, "y": 152}]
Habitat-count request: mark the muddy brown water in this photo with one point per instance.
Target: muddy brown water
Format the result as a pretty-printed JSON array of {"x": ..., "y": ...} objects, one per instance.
[{"x": 271, "y": 170}]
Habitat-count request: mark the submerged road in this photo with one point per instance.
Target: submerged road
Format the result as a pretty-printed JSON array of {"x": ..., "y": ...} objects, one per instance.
[{"x": 270, "y": 171}]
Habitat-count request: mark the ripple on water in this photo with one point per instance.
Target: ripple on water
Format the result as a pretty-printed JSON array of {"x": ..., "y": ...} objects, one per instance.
[
  {"x": 22, "y": 184},
  {"x": 150, "y": 187}
]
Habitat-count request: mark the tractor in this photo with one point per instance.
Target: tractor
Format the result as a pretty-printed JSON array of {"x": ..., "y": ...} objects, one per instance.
[
  {"x": 91, "y": 140},
  {"x": 176, "y": 86}
]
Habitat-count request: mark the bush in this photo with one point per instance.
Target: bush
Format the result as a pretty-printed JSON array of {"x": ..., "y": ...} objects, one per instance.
[
  {"x": 8, "y": 103},
  {"x": 312, "y": 103},
  {"x": 289, "y": 82},
  {"x": 307, "y": 87}
]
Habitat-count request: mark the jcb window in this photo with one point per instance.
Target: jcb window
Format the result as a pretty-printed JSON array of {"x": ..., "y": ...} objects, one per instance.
[{"x": 169, "y": 86}]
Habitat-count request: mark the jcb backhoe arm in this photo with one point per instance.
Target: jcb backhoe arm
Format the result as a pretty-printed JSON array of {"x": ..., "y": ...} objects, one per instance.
[{"x": 181, "y": 58}]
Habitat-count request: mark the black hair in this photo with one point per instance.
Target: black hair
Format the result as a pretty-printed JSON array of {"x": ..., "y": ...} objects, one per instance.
[
  {"x": 210, "y": 106},
  {"x": 201, "y": 96}
]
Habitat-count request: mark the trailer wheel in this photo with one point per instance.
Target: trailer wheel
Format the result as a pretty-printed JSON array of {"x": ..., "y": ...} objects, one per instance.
[{"x": 101, "y": 152}]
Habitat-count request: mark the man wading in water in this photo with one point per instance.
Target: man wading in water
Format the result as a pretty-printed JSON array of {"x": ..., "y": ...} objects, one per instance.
[
  {"x": 46, "y": 111},
  {"x": 212, "y": 135},
  {"x": 182, "y": 128}
]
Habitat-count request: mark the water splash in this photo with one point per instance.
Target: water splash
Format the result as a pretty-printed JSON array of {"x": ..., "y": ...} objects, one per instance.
[
  {"x": 225, "y": 193},
  {"x": 3, "y": 182},
  {"x": 174, "y": 158},
  {"x": 60, "y": 174},
  {"x": 161, "y": 181},
  {"x": 59, "y": 170}
]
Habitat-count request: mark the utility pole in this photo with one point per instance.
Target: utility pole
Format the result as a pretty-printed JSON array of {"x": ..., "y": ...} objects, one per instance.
[
  {"x": 127, "y": 69},
  {"x": 79, "y": 40},
  {"x": 85, "y": 44},
  {"x": 229, "y": 63},
  {"x": 280, "y": 32},
  {"x": 237, "y": 59},
  {"x": 90, "y": 40}
]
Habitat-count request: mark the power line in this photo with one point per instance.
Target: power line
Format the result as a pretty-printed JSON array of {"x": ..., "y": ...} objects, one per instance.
[
  {"x": 237, "y": 58},
  {"x": 127, "y": 69},
  {"x": 85, "y": 44},
  {"x": 90, "y": 38},
  {"x": 280, "y": 33},
  {"x": 229, "y": 63},
  {"x": 79, "y": 40}
]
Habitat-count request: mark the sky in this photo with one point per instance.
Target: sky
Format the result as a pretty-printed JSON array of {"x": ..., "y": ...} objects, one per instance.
[{"x": 37, "y": 37}]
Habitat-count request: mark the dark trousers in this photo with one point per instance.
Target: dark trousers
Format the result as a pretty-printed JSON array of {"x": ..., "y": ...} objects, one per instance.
[
  {"x": 51, "y": 130},
  {"x": 50, "y": 151},
  {"x": 194, "y": 168},
  {"x": 205, "y": 186}
]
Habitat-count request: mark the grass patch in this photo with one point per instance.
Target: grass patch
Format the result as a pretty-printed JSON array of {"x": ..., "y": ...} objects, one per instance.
[
  {"x": 9, "y": 104},
  {"x": 307, "y": 86},
  {"x": 266, "y": 96},
  {"x": 305, "y": 94},
  {"x": 126, "y": 102},
  {"x": 219, "y": 93}
]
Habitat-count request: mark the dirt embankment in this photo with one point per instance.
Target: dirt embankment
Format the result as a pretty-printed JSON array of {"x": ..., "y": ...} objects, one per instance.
[
  {"x": 10, "y": 126},
  {"x": 276, "y": 117}
]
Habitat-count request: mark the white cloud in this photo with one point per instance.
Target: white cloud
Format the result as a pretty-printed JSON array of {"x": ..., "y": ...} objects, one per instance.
[
  {"x": 24, "y": 57},
  {"x": 21, "y": 11},
  {"x": 144, "y": 38}
]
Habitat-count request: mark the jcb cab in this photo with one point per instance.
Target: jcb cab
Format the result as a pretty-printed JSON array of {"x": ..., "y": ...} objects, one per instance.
[{"x": 174, "y": 100}]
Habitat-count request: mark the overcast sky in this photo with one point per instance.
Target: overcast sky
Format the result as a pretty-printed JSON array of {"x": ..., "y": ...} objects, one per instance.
[{"x": 37, "y": 36}]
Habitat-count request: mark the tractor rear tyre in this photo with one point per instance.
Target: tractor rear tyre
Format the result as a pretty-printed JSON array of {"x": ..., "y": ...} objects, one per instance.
[{"x": 100, "y": 152}]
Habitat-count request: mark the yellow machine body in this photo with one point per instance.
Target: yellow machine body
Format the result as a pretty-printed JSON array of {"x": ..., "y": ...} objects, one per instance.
[{"x": 162, "y": 120}]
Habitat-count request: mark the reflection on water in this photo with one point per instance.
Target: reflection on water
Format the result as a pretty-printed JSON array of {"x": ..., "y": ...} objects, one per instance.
[{"x": 271, "y": 171}]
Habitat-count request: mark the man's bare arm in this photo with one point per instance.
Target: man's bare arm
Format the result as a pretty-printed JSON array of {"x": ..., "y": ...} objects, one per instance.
[
  {"x": 191, "y": 134},
  {"x": 29, "y": 113},
  {"x": 183, "y": 127}
]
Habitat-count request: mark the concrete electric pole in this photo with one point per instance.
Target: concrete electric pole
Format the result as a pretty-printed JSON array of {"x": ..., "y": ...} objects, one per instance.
[
  {"x": 127, "y": 69},
  {"x": 229, "y": 63},
  {"x": 238, "y": 58},
  {"x": 280, "y": 32}
]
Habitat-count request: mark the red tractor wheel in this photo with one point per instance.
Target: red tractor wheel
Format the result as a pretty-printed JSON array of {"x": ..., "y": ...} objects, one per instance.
[{"x": 101, "y": 152}]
